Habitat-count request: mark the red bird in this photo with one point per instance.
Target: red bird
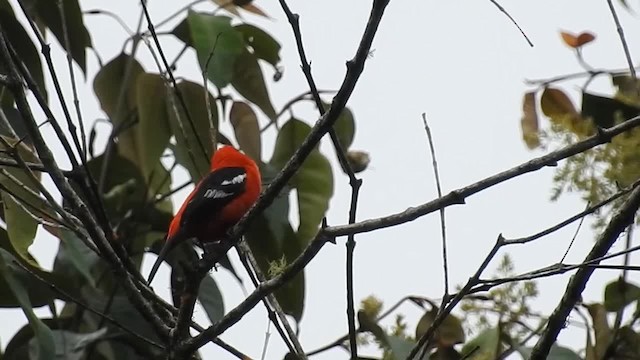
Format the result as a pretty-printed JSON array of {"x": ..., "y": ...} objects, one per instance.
[{"x": 217, "y": 202}]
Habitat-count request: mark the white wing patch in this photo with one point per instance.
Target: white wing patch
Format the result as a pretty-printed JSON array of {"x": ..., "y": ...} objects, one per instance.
[
  {"x": 236, "y": 180},
  {"x": 216, "y": 194}
]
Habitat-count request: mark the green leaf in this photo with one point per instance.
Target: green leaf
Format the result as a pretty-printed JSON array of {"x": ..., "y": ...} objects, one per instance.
[
  {"x": 21, "y": 42},
  {"x": 38, "y": 294},
  {"x": 345, "y": 126},
  {"x": 124, "y": 185},
  {"x": 17, "y": 124},
  {"x": 153, "y": 130},
  {"x": 79, "y": 38},
  {"x": 121, "y": 310},
  {"x": 556, "y": 353},
  {"x": 211, "y": 299},
  {"x": 217, "y": 44},
  {"x": 196, "y": 137},
  {"x": 313, "y": 181},
  {"x": 448, "y": 334},
  {"x": 272, "y": 247},
  {"x": 264, "y": 46},
  {"x": 606, "y": 112},
  {"x": 246, "y": 128},
  {"x": 74, "y": 257},
  {"x": 618, "y": 294},
  {"x": 369, "y": 324},
  {"x": 46, "y": 345},
  {"x": 484, "y": 346},
  {"x": 248, "y": 80},
  {"x": 120, "y": 74},
  {"x": 70, "y": 345},
  {"x": 21, "y": 205},
  {"x": 400, "y": 348}
]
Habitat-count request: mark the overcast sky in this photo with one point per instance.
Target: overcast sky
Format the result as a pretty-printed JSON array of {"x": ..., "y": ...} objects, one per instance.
[{"x": 464, "y": 64}]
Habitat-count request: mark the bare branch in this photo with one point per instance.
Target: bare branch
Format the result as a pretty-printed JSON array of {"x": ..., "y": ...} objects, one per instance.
[
  {"x": 458, "y": 196},
  {"x": 494, "y": 2},
  {"x": 625, "y": 46},
  {"x": 443, "y": 229}
]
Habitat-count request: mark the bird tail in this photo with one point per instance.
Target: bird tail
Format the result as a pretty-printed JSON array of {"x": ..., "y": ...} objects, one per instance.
[{"x": 169, "y": 244}]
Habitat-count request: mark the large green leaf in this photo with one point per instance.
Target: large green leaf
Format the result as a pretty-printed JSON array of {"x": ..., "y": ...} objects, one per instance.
[
  {"x": 272, "y": 240},
  {"x": 153, "y": 130},
  {"x": 108, "y": 84},
  {"x": 246, "y": 128},
  {"x": 448, "y": 334},
  {"x": 485, "y": 345},
  {"x": 195, "y": 136},
  {"x": 618, "y": 294},
  {"x": 211, "y": 300},
  {"x": 74, "y": 257},
  {"x": 248, "y": 80},
  {"x": 79, "y": 38},
  {"x": 264, "y": 46},
  {"x": 46, "y": 344},
  {"x": 124, "y": 185},
  {"x": 345, "y": 126},
  {"x": 605, "y": 111},
  {"x": 217, "y": 44},
  {"x": 22, "y": 43},
  {"x": 400, "y": 347},
  {"x": 70, "y": 345},
  {"x": 313, "y": 181},
  {"x": 121, "y": 310},
  {"x": 271, "y": 249},
  {"x": 38, "y": 294}
]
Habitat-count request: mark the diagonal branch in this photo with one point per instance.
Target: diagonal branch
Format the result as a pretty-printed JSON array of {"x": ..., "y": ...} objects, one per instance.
[
  {"x": 619, "y": 222},
  {"x": 458, "y": 196}
]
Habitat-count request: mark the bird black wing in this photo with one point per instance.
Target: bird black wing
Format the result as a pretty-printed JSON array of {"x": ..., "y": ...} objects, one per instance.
[{"x": 214, "y": 192}]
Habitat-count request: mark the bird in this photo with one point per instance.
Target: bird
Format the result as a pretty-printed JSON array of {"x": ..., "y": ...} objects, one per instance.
[{"x": 217, "y": 202}]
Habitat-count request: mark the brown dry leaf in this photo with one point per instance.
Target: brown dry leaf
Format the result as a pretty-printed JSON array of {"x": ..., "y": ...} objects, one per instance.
[
  {"x": 227, "y": 5},
  {"x": 569, "y": 39},
  {"x": 555, "y": 103},
  {"x": 529, "y": 121},
  {"x": 576, "y": 41},
  {"x": 255, "y": 10},
  {"x": 585, "y": 38},
  {"x": 601, "y": 328}
]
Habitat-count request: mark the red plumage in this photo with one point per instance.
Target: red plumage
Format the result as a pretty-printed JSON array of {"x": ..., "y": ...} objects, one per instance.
[{"x": 216, "y": 203}]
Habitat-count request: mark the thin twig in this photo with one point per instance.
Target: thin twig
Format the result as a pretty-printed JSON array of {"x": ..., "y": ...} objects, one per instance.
[
  {"x": 589, "y": 210},
  {"x": 425, "y": 339},
  {"x": 625, "y": 46},
  {"x": 443, "y": 229},
  {"x": 575, "y": 235},
  {"x": 251, "y": 265},
  {"x": 72, "y": 77},
  {"x": 494, "y": 2}
]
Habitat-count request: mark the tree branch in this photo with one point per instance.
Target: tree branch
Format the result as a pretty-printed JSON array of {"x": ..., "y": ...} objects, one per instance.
[{"x": 458, "y": 196}]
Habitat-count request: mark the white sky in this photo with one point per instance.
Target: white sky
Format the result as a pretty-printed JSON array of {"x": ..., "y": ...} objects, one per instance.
[{"x": 461, "y": 62}]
